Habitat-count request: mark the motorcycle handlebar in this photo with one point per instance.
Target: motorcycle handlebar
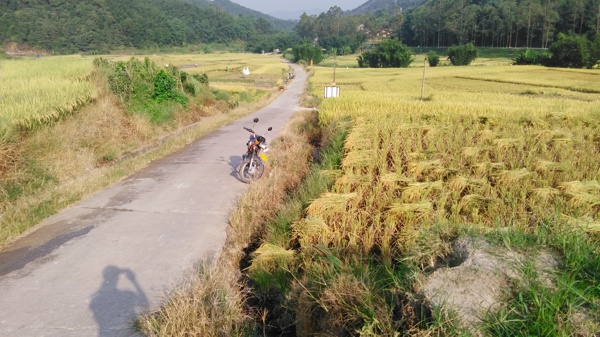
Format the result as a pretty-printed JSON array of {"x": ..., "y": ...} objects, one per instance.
[{"x": 249, "y": 130}]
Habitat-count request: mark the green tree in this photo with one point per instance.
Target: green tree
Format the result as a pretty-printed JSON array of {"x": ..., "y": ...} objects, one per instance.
[
  {"x": 549, "y": 18},
  {"x": 387, "y": 54},
  {"x": 307, "y": 52},
  {"x": 306, "y": 27},
  {"x": 595, "y": 51},
  {"x": 572, "y": 51}
]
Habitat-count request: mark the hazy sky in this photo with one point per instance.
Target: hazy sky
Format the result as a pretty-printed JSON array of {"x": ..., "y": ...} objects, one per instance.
[{"x": 270, "y": 6}]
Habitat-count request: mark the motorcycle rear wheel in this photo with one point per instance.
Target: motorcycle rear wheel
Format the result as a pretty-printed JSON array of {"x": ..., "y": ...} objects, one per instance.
[{"x": 248, "y": 173}]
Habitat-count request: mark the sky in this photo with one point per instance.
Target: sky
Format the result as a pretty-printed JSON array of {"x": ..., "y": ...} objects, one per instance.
[{"x": 274, "y": 6}]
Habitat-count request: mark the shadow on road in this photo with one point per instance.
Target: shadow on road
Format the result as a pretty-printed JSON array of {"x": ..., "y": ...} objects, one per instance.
[
  {"x": 116, "y": 304},
  {"x": 234, "y": 162}
]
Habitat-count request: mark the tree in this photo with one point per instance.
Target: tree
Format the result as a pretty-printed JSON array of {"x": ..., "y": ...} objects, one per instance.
[
  {"x": 306, "y": 27},
  {"x": 549, "y": 18},
  {"x": 508, "y": 9},
  {"x": 595, "y": 51},
  {"x": 572, "y": 51},
  {"x": 462, "y": 17},
  {"x": 387, "y": 54},
  {"x": 420, "y": 25},
  {"x": 528, "y": 11},
  {"x": 307, "y": 52}
]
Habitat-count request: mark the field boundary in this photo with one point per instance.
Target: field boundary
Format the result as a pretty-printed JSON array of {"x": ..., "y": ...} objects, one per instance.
[{"x": 585, "y": 91}]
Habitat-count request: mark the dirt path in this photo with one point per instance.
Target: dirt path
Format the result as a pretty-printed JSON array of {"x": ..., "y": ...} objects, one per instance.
[{"x": 88, "y": 270}]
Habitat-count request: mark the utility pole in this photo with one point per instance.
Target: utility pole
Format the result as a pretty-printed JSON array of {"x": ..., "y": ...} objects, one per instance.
[
  {"x": 423, "y": 82},
  {"x": 334, "y": 64}
]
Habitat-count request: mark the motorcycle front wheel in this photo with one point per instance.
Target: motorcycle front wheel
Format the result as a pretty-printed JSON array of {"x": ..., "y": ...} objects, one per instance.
[{"x": 250, "y": 170}]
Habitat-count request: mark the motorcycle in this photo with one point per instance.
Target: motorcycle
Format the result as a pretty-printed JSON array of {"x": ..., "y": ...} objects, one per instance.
[{"x": 253, "y": 161}]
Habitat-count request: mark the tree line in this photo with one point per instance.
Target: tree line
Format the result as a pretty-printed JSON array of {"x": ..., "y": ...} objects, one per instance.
[
  {"x": 443, "y": 23},
  {"x": 500, "y": 23}
]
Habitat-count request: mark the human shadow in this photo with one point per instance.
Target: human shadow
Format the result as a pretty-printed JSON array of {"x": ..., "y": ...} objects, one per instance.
[{"x": 114, "y": 305}]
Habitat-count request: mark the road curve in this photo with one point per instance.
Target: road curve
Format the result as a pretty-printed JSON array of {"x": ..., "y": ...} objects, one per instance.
[{"x": 88, "y": 270}]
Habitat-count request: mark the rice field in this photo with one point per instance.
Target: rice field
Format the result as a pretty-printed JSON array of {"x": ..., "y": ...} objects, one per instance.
[
  {"x": 493, "y": 146},
  {"x": 36, "y": 91},
  {"x": 226, "y": 67}
]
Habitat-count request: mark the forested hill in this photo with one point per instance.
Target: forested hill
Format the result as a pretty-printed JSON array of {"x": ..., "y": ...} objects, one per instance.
[
  {"x": 67, "y": 26},
  {"x": 235, "y": 9},
  {"x": 372, "y": 6}
]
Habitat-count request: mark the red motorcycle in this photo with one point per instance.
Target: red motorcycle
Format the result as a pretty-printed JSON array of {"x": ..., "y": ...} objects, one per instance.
[{"x": 253, "y": 161}]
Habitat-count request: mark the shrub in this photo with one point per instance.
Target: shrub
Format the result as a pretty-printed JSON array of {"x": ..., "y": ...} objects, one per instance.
[
  {"x": 433, "y": 58},
  {"x": 462, "y": 55},
  {"x": 192, "y": 86},
  {"x": 125, "y": 78},
  {"x": 147, "y": 89},
  {"x": 387, "y": 54},
  {"x": 221, "y": 95},
  {"x": 529, "y": 56},
  {"x": 572, "y": 51},
  {"x": 165, "y": 89},
  {"x": 202, "y": 78}
]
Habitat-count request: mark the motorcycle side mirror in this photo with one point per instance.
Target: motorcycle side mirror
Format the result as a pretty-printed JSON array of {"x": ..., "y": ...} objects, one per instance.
[
  {"x": 269, "y": 129},
  {"x": 255, "y": 120}
]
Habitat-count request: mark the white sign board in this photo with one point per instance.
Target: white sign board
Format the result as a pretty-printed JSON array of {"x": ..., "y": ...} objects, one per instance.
[{"x": 332, "y": 92}]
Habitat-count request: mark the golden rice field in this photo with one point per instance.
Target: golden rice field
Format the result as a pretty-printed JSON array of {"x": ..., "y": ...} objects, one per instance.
[
  {"x": 36, "y": 91},
  {"x": 493, "y": 145}
]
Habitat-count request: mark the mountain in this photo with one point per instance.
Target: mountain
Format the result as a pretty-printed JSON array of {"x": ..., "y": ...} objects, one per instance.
[
  {"x": 98, "y": 26},
  {"x": 372, "y": 6},
  {"x": 235, "y": 9},
  {"x": 295, "y": 15}
]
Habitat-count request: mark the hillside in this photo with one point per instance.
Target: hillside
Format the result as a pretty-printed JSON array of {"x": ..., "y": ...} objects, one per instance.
[
  {"x": 236, "y": 10},
  {"x": 372, "y": 6},
  {"x": 92, "y": 26}
]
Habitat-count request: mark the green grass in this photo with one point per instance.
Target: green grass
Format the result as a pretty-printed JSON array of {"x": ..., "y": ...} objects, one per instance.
[{"x": 535, "y": 307}]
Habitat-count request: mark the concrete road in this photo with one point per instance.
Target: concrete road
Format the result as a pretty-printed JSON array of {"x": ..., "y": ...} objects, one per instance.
[{"x": 88, "y": 270}]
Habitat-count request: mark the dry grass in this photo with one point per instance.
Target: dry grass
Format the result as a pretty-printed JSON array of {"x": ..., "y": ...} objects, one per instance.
[{"x": 209, "y": 305}]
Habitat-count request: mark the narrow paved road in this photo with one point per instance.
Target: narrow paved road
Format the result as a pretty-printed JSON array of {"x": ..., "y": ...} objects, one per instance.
[{"x": 88, "y": 270}]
